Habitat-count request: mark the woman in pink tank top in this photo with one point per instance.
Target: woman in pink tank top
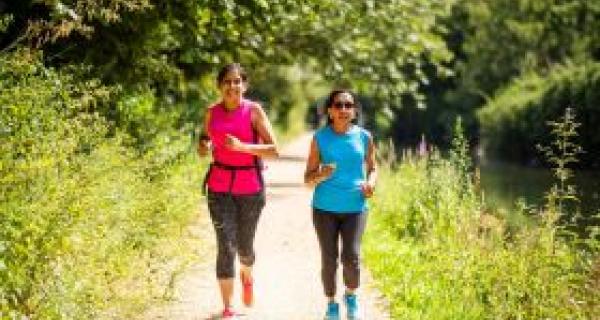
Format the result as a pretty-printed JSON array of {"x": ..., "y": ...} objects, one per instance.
[{"x": 238, "y": 134}]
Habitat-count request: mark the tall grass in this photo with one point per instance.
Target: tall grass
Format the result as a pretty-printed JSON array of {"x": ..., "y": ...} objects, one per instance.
[{"x": 438, "y": 253}]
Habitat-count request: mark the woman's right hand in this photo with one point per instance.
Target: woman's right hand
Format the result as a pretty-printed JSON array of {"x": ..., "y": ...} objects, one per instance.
[
  {"x": 326, "y": 170},
  {"x": 204, "y": 146}
]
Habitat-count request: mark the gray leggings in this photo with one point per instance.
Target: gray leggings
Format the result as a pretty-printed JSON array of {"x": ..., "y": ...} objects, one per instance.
[
  {"x": 330, "y": 228},
  {"x": 234, "y": 218}
]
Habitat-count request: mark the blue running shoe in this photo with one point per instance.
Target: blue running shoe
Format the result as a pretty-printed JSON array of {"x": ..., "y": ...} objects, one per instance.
[
  {"x": 333, "y": 311},
  {"x": 352, "y": 308}
]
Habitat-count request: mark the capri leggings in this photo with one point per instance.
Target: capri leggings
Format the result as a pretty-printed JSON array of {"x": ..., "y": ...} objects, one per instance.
[
  {"x": 331, "y": 227},
  {"x": 234, "y": 218}
]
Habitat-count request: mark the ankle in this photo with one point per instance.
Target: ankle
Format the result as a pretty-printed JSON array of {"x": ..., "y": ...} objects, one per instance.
[{"x": 350, "y": 292}]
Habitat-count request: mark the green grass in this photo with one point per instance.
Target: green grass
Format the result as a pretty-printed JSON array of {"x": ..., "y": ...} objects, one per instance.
[
  {"x": 105, "y": 239},
  {"x": 91, "y": 226},
  {"x": 437, "y": 253}
]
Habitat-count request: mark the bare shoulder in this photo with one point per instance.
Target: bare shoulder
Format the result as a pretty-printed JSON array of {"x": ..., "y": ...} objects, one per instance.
[
  {"x": 256, "y": 107},
  {"x": 212, "y": 106},
  {"x": 257, "y": 112}
]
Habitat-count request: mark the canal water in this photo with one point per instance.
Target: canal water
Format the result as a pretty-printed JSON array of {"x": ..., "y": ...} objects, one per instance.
[{"x": 504, "y": 184}]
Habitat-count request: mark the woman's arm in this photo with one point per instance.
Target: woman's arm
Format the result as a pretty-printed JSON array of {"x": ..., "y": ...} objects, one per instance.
[
  {"x": 315, "y": 172},
  {"x": 204, "y": 143},
  {"x": 368, "y": 188},
  {"x": 267, "y": 146}
]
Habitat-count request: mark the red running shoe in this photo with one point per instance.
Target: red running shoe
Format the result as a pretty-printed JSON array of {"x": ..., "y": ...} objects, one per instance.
[
  {"x": 228, "y": 313},
  {"x": 247, "y": 290}
]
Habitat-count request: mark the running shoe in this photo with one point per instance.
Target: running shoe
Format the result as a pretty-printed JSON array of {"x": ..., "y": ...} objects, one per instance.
[
  {"x": 228, "y": 313},
  {"x": 352, "y": 307},
  {"x": 333, "y": 311}
]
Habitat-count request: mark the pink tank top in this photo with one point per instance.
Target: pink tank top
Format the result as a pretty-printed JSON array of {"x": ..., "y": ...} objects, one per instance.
[{"x": 237, "y": 122}]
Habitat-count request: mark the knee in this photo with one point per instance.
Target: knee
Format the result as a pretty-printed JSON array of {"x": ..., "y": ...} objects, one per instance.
[
  {"x": 246, "y": 258},
  {"x": 245, "y": 251},
  {"x": 227, "y": 249},
  {"x": 225, "y": 260},
  {"x": 329, "y": 262},
  {"x": 225, "y": 272},
  {"x": 351, "y": 259}
]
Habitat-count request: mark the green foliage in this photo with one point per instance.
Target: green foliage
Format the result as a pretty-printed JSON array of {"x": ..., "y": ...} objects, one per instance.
[
  {"x": 436, "y": 253},
  {"x": 504, "y": 39},
  {"x": 165, "y": 46},
  {"x": 515, "y": 120},
  {"x": 285, "y": 92},
  {"x": 441, "y": 207},
  {"x": 494, "y": 43},
  {"x": 5, "y": 20},
  {"x": 88, "y": 227},
  {"x": 561, "y": 155},
  {"x": 375, "y": 60},
  {"x": 460, "y": 157},
  {"x": 146, "y": 119}
]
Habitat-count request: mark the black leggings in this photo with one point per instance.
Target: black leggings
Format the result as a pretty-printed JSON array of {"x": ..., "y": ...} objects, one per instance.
[
  {"x": 330, "y": 228},
  {"x": 234, "y": 218}
]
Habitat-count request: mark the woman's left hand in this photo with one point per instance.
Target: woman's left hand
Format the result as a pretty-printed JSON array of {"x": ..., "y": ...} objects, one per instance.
[
  {"x": 234, "y": 143},
  {"x": 367, "y": 189}
]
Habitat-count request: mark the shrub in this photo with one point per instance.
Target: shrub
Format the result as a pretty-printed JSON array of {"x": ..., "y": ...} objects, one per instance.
[
  {"x": 89, "y": 228},
  {"x": 438, "y": 253},
  {"x": 514, "y": 121}
]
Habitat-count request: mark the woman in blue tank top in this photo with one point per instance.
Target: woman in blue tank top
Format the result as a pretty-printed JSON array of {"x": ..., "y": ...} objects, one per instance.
[{"x": 341, "y": 165}]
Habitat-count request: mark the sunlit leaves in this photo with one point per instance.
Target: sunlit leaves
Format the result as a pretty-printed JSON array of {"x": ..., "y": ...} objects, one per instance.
[
  {"x": 81, "y": 215},
  {"x": 157, "y": 41},
  {"x": 504, "y": 39}
]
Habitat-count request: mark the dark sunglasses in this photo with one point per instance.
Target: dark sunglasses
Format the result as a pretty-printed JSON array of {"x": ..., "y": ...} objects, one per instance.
[
  {"x": 342, "y": 105},
  {"x": 232, "y": 82}
]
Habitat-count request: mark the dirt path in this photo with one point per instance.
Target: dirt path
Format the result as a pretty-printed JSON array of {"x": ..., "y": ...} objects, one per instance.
[{"x": 287, "y": 281}]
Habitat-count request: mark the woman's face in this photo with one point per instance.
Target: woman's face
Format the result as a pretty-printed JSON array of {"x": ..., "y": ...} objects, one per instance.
[
  {"x": 343, "y": 109},
  {"x": 232, "y": 87}
]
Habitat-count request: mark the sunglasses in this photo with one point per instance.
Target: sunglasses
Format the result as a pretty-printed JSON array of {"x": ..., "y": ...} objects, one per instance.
[
  {"x": 343, "y": 105},
  {"x": 231, "y": 82}
]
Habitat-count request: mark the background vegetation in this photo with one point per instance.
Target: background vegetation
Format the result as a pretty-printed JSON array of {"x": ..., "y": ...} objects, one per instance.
[
  {"x": 438, "y": 252},
  {"x": 100, "y": 102},
  {"x": 521, "y": 110},
  {"x": 498, "y": 46}
]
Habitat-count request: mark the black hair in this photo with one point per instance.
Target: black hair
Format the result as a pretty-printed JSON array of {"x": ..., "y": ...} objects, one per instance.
[
  {"x": 231, "y": 67},
  {"x": 331, "y": 98}
]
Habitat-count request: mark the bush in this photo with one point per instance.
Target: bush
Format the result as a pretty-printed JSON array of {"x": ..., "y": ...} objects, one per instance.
[
  {"x": 514, "y": 121},
  {"x": 89, "y": 228},
  {"x": 438, "y": 253}
]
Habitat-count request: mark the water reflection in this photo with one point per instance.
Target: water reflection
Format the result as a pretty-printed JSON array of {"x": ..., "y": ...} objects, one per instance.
[{"x": 504, "y": 184}]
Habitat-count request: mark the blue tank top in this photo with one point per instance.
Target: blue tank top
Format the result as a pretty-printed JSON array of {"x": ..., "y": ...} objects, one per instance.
[{"x": 341, "y": 192}]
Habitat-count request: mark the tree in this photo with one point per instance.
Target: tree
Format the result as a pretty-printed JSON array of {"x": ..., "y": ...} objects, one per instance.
[{"x": 165, "y": 46}]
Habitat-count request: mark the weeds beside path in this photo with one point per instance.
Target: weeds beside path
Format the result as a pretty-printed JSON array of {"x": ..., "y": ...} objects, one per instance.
[{"x": 287, "y": 267}]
